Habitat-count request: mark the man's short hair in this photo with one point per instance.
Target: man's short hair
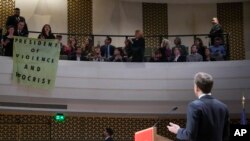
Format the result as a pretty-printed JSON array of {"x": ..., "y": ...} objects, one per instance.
[
  {"x": 109, "y": 131},
  {"x": 17, "y": 9},
  {"x": 109, "y": 39},
  {"x": 204, "y": 82}
]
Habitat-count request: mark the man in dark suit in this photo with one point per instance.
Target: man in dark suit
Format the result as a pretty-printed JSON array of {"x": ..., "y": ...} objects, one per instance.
[
  {"x": 107, "y": 50},
  {"x": 108, "y": 134},
  {"x": 207, "y": 117},
  {"x": 14, "y": 19},
  {"x": 216, "y": 30},
  {"x": 138, "y": 47},
  {"x": 20, "y": 31}
]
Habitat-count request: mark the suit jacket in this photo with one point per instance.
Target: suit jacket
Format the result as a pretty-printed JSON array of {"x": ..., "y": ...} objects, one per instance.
[
  {"x": 22, "y": 33},
  {"x": 109, "y": 139},
  {"x": 138, "y": 49},
  {"x": 104, "y": 50},
  {"x": 180, "y": 59},
  {"x": 207, "y": 120},
  {"x": 216, "y": 31},
  {"x": 13, "y": 20}
]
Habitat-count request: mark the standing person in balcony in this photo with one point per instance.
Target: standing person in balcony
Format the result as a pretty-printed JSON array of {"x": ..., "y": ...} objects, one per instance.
[
  {"x": 14, "y": 19},
  {"x": 7, "y": 41},
  {"x": 177, "y": 56},
  {"x": 138, "y": 47},
  {"x": 107, "y": 50},
  {"x": 216, "y": 30},
  {"x": 165, "y": 50},
  {"x": 194, "y": 56},
  {"x": 128, "y": 49},
  {"x": 46, "y": 33},
  {"x": 183, "y": 49},
  {"x": 200, "y": 46}
]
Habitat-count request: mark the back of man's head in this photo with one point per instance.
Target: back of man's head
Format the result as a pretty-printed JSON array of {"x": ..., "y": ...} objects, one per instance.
[
  {"x": 204, "y": 82},
  {"x": 109, "y": 131}
]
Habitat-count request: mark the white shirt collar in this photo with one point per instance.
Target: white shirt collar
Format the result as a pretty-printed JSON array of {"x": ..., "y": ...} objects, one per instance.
[
  {"x": 200, "y": 96},
  {"x": 107, "y": 138}
]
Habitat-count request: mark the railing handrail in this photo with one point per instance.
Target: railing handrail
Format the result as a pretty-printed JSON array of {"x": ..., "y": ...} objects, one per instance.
[{"x": 112, "y": 35}]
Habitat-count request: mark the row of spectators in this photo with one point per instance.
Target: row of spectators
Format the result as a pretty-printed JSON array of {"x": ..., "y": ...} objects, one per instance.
[{"x": 133, "y": 50}]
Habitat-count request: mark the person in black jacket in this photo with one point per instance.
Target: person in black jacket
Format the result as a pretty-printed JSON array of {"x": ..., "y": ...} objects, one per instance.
[
  {"x": 178, "y": 57},
  {"x": 8, "y": 40},
  {"x": 108, "y": 134},
  {"x": 46, "y": 33},
  {"x": 107, "y": 50},
  {"x": 207, "y": 117},
  {"x": 216, "y": 30},
  {"x": 138, "y": 47},
  {"x": 14, "y": 19},
  {"x": 20, "y": 30}
]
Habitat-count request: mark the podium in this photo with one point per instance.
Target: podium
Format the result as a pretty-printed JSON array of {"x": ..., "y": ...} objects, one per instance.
[{"x": 149, "y": 134}]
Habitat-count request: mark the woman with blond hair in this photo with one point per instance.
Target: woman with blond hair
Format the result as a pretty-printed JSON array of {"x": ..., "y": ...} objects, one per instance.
[{"x": 165, "y": 50}]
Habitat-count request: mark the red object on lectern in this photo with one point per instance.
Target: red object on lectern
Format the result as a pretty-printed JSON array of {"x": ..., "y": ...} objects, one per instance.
[{"x": 149, "y": 134}]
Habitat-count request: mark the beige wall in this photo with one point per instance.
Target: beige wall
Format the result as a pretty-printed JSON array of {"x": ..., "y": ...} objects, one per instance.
[
  {"x": 40, "y": 12},
  {"x": 190, "y": 19},
  {"x": 116, "y": 17},
  {"x": 247, "y": 28}
]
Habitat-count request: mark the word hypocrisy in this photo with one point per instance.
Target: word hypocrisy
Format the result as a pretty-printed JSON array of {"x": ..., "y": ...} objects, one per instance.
[{"x": 35, "y": 62}]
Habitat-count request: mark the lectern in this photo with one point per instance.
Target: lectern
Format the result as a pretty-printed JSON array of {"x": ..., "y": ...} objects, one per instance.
[{"x": 149, "y": 134}]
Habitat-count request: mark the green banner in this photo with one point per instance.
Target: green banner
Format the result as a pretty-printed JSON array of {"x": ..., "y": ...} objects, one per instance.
[{"x": 35, "y": 62}]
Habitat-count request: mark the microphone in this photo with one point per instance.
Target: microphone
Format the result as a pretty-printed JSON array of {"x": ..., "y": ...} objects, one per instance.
[{"x": 169, "y": 112}]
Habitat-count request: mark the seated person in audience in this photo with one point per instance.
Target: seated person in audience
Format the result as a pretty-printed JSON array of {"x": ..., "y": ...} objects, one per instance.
[
  {"x": 128, "y": 48},
  {"x": 177, "y": 56},
  {"x": 72, "y": 44},
  {"x": 118, "y": 56},
  {"x": 46, "y": 33},
  {"x": 194, "y": 56},
  {"x": 157, "y": 57},
  {"x": 87, "y": 47},
  {"x": 218, "y": 50},
  {"x": 77, "y": 55},
  {"x": 20, "y": 30},
  {"x": 208, "y": 56},
  {"x": 107, "y": 50},
  {"x": 183, "y": 49},
  {"x": 96, "y": 56},
  {"x": 7, "y": 41},
  {"x": 200, "y": 46},
  {"x": 165, "y": 50}
]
